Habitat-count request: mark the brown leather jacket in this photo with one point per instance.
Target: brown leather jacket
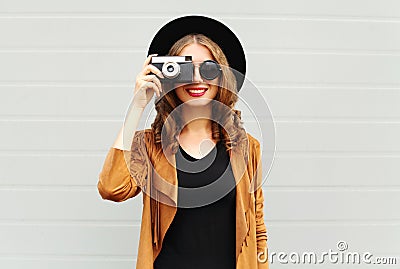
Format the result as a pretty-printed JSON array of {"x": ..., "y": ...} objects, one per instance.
[{"x": 119, "y": 182}]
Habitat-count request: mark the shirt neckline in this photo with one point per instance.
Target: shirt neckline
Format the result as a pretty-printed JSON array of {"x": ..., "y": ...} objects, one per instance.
[{"x": 196, "y": 159}]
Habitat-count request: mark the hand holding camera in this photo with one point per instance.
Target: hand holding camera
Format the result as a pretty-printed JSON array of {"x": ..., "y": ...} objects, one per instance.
[{"x": 147, "y": 83}]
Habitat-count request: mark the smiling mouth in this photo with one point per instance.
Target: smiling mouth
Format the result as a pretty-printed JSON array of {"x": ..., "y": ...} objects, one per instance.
[{"x": 196, "y": 91}]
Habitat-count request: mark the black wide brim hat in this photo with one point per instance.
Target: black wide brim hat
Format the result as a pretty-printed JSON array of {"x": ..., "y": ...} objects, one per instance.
[{"x": 213, "y": 29}]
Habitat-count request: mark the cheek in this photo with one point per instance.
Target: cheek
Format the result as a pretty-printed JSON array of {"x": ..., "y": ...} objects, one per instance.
[
  {"x": 213, "y": 84},
  {"x": 179, "y": 92},
  {"x": 213, "y": 91}
]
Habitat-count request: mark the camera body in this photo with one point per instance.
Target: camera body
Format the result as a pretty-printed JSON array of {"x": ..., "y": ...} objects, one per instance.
[{"x": 175, "y": 69}]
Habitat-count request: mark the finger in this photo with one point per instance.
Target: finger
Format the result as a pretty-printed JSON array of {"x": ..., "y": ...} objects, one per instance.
[
  {"x": 152, "y": 69},
  {"x": 141, "y": 81},
  {"x": 153, "y": 79},
  {"x": 154, "y": 87},
  {"x": 148, "y": 59},
  {"x": 149, "y": 83}
]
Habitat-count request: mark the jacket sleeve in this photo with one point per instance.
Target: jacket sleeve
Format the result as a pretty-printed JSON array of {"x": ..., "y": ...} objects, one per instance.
[
  {"x": 124, "y": 172},
  {"x": 261, "y": 231}
]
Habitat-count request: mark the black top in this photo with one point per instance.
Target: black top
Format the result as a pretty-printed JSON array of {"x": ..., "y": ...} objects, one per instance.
[{"x": 203, "y": 232}]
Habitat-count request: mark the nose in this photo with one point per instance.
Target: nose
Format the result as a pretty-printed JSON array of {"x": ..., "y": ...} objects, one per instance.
[{"x": 196, "y": 76}]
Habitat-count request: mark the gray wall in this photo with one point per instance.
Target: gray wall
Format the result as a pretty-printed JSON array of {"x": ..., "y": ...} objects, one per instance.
[{"x": 328, "y": 69}]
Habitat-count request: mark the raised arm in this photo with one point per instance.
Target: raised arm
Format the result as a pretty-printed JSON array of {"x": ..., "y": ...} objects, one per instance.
[{"x": 127, "y": 164}]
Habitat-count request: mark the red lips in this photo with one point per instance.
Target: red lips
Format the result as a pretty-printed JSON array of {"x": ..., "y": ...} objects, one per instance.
[{"x": 196, "y": 91}]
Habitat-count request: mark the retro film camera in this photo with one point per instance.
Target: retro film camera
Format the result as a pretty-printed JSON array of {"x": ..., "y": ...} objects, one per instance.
[{"x": 180, "y": 69}]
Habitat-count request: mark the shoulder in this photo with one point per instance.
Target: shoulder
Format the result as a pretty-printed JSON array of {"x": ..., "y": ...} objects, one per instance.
[
  {"x": 253, "y": 142},
  {"x": 142, "y": 139},
  {"x": 254, "y": 150},
  {"x": 144, "y": 134},
  {"x": 145, "y": 140}
]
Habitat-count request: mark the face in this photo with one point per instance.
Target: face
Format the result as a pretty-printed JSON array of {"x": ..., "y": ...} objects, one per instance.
[{"x": 201, "y": 91}]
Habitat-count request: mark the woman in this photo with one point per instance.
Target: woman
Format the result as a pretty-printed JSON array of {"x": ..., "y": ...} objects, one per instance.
[{"x": 195, "y": 126}]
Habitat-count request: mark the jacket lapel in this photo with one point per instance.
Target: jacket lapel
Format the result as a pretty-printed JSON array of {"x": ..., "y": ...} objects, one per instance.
[{"x": 242, "y": 196}]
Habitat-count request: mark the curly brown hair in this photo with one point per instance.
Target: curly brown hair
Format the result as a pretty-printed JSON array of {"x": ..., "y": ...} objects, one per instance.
[{"x": 232, "y": 134}]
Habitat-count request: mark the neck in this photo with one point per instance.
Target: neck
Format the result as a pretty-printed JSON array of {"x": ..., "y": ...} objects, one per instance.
[{"x": 197, "y": 119}]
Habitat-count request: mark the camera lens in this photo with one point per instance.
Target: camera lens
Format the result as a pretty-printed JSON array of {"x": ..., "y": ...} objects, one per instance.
[
  {"x": 170, "y": 70},
  {"x": 210, "y": 70}
]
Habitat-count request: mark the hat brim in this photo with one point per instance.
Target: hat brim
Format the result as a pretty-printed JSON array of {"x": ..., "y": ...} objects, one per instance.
[{"x": 213, "y": 29}]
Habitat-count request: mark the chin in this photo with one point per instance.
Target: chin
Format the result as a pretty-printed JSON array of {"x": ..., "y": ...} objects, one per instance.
[{"x": 198, "y": 102}]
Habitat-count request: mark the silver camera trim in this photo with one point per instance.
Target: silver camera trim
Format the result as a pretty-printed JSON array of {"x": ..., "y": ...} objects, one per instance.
[{"x": 175, "y": 73}]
